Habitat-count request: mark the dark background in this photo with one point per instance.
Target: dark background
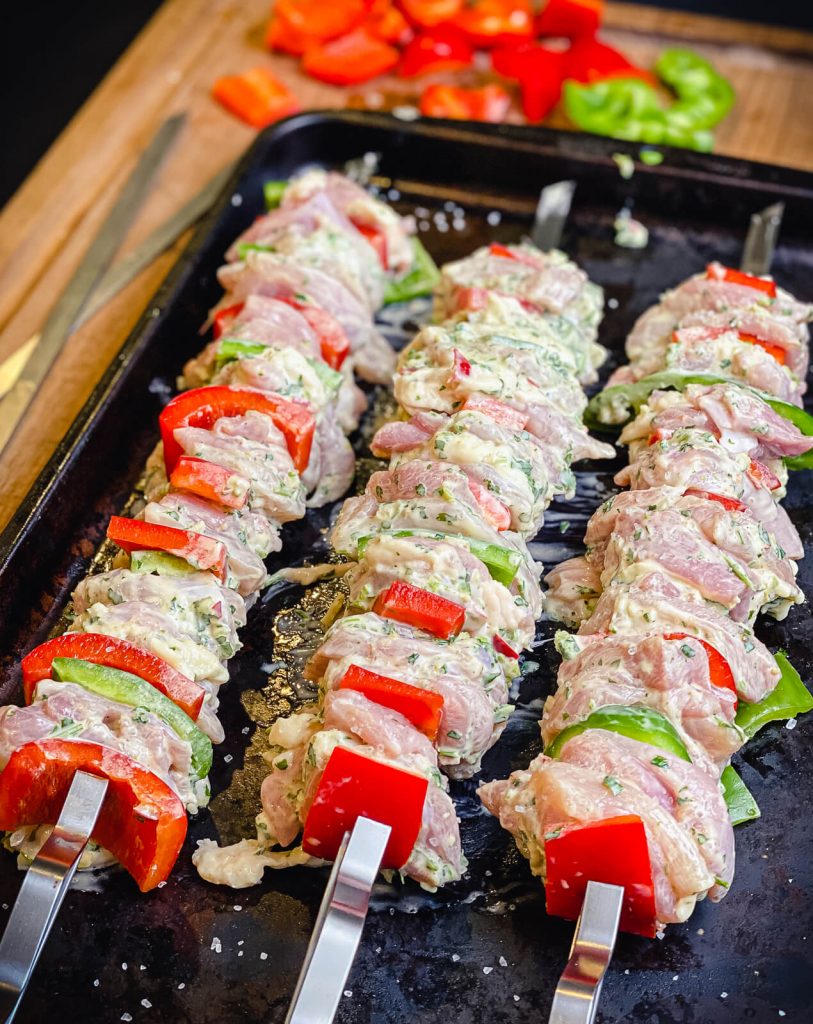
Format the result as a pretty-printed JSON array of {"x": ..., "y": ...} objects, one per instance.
[{"x": 52, "y": 56}]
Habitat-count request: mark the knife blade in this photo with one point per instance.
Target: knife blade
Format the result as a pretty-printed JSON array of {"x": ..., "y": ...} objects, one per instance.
[
  {"x": 73, "y": 299},
  {"x": 760, "y": 242}
]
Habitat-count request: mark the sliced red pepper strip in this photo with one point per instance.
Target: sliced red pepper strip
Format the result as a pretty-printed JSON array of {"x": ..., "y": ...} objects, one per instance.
[
  {"x": 614, "y": 851},
  {"x": 376, "y": 238},
  {"x": 255, "y": 96},
  {"x": 421, "y": 609},
  {"x": 589, "y": 60},
  {"x": 224, "y": 318},
  {"x": 352, "y": 58},
  {"x": 489, "y": 103},
  {"x": 142, "y": 822},
  {"x": 196, "y": 548},
  {"x": 569, "y": 19},
  {"x": 501, "y": 647},
  {"x": 778, "y": 353},
  {"x": 491, "y": 22},
  {"x": 760, "y": 476},
  {"x": 114, "y": 653},
  {"x": 497, "y": 249},
  {"x": 210, "y": 481},
  {"x": 203, "y": 407},
  {"x": 731, "y": 504},
  {"x": 498, "y": 411},
  {"x": 430, "y": 13},
  {"x": 475, "y": 299},
  {"x": 421, "y": 707},
  {"x": 717, "y": 272},
  {"x": 444, "y": 48},
  {"x": 494, "y": 512},
  {"x": 352, "y": 786},
  {"x": 720, "y": 672},
  {"x": 333, "y": 341}
]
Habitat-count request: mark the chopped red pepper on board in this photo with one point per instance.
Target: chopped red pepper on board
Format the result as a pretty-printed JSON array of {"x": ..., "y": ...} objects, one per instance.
[
  {"x": 352, "y": 786},
  {"x": 495, "y": 513},
  {"x": 224, "y": 318},
  {"x": 569, "y": 19},
  {"x": 429, "y": 13},
  {"x": 113, "y": 653},
  {"x": 255, "y": 96},
  {"x": 142, "y": 821},
  {"x": 539, "y": 71},
  {"x": 421, "y": 707},
  {"x": 613, "y": 851},
  {"x": 208, "y": 480},
  {"x": 717, "y": 272},
  {"x": 386, "y": 22},
  {"x": 488, "y": 103},
  {"x": 203, "y": 407},
  {"x": 498, "y": 411},
  {"x": 491, "y": 22},
  {"x": 444, "y": 48},
  {"x": 421, "y": 609},
  {"x": 501, "y": 647},
  {"x": 196, "y": 548},
  {"x": 761, "y": 476},
  {"x": 720, "y": 672},
  {"x": 318, "y": 19},
  {"x": 588, "y": 60},
  {"x": 731, "y": 504},
  {"x": 333, "y": 341},
  {"x": 349, "y": 59}
]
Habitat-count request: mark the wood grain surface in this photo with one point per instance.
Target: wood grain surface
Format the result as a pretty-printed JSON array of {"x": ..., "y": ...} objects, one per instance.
[{"x": 46, "y": 227}]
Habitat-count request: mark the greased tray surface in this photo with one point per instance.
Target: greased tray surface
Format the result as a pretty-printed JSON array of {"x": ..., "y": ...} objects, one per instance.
[{"x": 482, "y": 949}]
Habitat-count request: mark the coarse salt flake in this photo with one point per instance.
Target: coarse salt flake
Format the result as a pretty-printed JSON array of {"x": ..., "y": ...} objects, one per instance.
[
  {"x": 228, "y": 758},
  {"x": 487, "y": 970},
  {"x": 217, "y": 945},
  {"x": 503, "y": 962},
  {"x": 146, "y": 1004},
  {"x": 348, "y": 992},
  {"x": 263, "y": 956},
  {"x": 455, "y": 957},
  {"x": 237, "y": 907},
  {"x": 126, "y": 1017},
  {"x": 95, "y": 982}
]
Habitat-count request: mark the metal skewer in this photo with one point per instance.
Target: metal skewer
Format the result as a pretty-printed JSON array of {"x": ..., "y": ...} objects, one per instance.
[
  {"x": 339, "y": 924},
  {"x": 552, "y": 212},
  {"x": 760, "y": 242},
  {"x": 44, "y": 888}
]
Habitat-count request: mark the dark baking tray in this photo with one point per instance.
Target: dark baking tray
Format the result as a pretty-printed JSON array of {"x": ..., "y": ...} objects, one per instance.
[{"x": 484, "y": 948}]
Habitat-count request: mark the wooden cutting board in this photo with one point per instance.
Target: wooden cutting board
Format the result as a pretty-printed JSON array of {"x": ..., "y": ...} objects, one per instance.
[{"x": 171, "y": 66}]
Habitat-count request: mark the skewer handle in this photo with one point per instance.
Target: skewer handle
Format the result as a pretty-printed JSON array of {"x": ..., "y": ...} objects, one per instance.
[
  {"x": 339, "y": 924},
  {"x": 44, "y": 888},
  {"x": 576, "y": 998}
]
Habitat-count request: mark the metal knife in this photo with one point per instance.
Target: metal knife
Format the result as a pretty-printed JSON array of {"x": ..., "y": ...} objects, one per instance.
[{"x": 73, "y": 299}]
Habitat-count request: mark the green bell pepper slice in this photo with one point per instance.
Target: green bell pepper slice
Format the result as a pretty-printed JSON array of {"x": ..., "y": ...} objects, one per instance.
[
  {"x": 160, "y": 562},
  {"x": 273, "y": 191},
  {"x": 420, "y": 280},
  {"x": 126, "y": 688},
  {"x": 636, "y": 723},
  {"x": 742, "y": 806},
  {"x": 502, "y": 563},
  {"x": 789, "y": 698},
  {"x": 230, "y": 349}
]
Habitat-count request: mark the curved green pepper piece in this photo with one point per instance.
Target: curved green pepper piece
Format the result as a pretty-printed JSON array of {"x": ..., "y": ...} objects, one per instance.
[
  {"x": 790, "y": 697},
  {"x": 636, "y": 723},
  {"x": 126, "y": 688},
  {"x": 420, "y": 280},
  {"x": 273, "y": 191},
  {"x": 738, "y": 798}
]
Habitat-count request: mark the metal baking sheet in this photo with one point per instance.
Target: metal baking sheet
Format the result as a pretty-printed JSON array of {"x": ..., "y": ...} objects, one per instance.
[{"x": 482, "y": 948}]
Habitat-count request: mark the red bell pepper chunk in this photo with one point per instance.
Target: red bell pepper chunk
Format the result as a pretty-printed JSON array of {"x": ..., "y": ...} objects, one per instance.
[
  {"x": 731, "y": 504},
  {"x": 761, "y": 476},
  {"x": 569, "y": 19},
  {"x": 203, "y": 407},
  {"x": 224, "y": 318},
  {"x": 333, "y": 342},
  {"x": 491, "y": 22},
  {"x": 489, "y": 103},
  {"x": 114, "y": 653},
  {"x": 208, "y": 480},
  {"x": 430, "y": 13},
  {"x": 717, "y": 272},
  {"x": 501, "y": 413},
  {"x": 255, "y": 96},
  {"x": 720, "y": 672},
  {"x": 658, "y": 436},
  {"x": 421, "y": 707},
  {"x": 201, "y": 551},
  {"x": 778, "y": 353},
  {"x": 501, "y": 647},
  {"x": 282, "y": 36},
  {"x": 539, "y": 71},
  {"x": 494, "y": 512},
  {"x": 461, "y": 367},
  {"x": 142, "y": 821},
  {"x": 444, "y": 48},
  {"x": 421, "y": 609},
  {"x": 352, "y": 58},
  {"x": 321, "y": 20},
  {"x": 353, "y": 786},
  {"x": 376, "y": 238},
  {"x": 613, "y": 851},
  {"x": 386, "y": 22},
  {"x": 588, "y": 60},
  {"x": 497, "y": 249}
]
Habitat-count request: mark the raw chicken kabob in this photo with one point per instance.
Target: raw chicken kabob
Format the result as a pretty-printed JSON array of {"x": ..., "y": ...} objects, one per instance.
[
  {"x": 130, "y": 692},
  {"x": 665, "y": 679},
  {"x": 442, "y": 594}
]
